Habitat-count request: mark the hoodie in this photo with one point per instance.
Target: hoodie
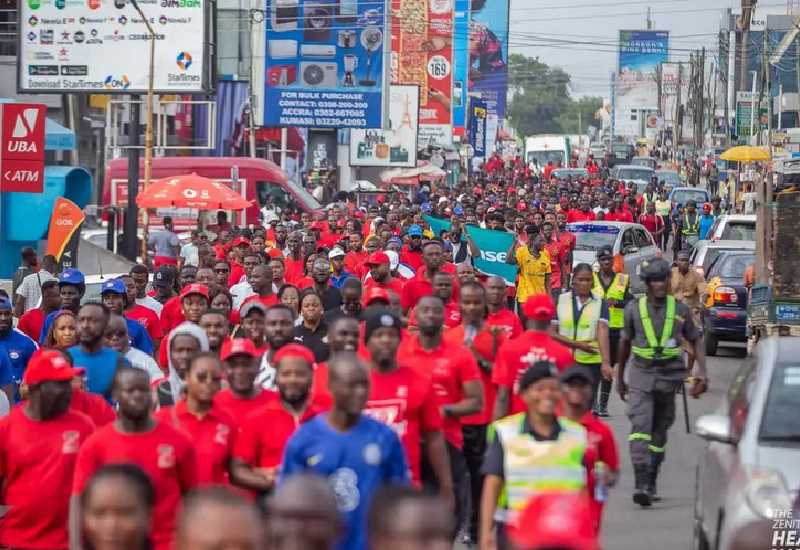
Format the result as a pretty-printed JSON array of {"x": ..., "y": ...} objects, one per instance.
[{"x": 176, "y": 385}]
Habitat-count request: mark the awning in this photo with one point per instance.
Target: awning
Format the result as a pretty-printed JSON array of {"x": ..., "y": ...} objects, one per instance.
[
  {"x": 294, "y": 141},
  {"x": 57, "y": 137}
]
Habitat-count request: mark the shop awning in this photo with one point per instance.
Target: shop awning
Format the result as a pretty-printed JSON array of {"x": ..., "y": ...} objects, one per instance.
[{"x": 57, "y": 137}]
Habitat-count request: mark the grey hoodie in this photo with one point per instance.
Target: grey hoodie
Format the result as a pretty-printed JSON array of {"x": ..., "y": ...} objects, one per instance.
[{"x": 175, "y": 383}]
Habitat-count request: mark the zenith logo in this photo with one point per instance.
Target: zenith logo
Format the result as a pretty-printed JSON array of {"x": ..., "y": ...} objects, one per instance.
[{"x": 26, "y": 123}]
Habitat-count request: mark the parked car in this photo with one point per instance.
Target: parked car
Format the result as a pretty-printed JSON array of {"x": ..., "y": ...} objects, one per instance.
[
  {"x": 94, "y": 284},
  {"x": 631, "y": 243},
  {"x": 670, "y": 178},
  {"x": 650, "y": 162},
  {"x": 681, "y": 195},
  {"x": 705, "y": 252},
  {"x": 725, "y": 314},
  {"x": 733, "y": 227},
  {"x": 749, "y": 466}
]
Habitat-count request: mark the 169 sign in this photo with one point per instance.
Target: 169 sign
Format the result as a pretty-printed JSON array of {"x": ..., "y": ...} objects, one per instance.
[{"x": 22, "y": 147}]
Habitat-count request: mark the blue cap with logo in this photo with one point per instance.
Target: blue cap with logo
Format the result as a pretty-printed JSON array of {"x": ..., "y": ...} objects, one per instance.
[
  {"x": 115, "y": 286},
  {"x": 415, "y": 231},
  {"x": 71, "y": 276},
  {"x": 5, "y": 304}
]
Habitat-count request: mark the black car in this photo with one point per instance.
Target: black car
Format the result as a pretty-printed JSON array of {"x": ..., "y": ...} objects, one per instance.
[{"x": 725, "y": 315}]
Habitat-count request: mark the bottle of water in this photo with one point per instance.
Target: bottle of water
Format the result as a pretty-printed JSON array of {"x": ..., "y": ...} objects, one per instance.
[{"x": 600, "y": 488}]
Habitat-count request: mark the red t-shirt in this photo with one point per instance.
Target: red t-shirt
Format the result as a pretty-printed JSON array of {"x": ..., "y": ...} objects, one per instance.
[
  {"x": 355, "y": 262},
  {"x": 37, "y": 463},
  {"x": 620, "y": 216},
  {"x": 604, "y": 446},
  {"x": 452, "y": 315},
  {"x": 265, "y": 432},
  {"x": 31, "y": 323},
  {"x": 239, "y": 408},
  {"x": 319, "y": 384},
  {"x": 295, "y": 269},
  {"x": 555, "y": 250},
  {"x": 147, "y": 318},
  {"x": 405, "y": 400},
  {"x": 237, "y": 272},
  {"x": 450, "y": 365},
  {"x": 519, "y": 354},
  {"x": 420, "y": 286},
  {"x": 166, "y": 455},
  {"x": 94, "y": 406},
  {"x": 395, "y": 285},
  {"x": 580, "y": 216},
  {"x": 508, "y": 320},
  {"x": 412, "y": 258},
  {"x": 270, "y": 300},
  {"x": 214, "y": 436},
  {"x": 651, "y": 222},
  {"x": 171, "y": 315}
]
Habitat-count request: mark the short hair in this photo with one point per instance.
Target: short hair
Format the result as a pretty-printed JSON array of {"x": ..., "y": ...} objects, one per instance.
[
  {"x": 282, "y": 290},
  {"x": 50, "y": 283},
  {"x": 306, "y": 292},
  {"x": 140, "y": 269},
  {"x": 203, "y": 355},
  {"x": 281, "y": 307},
  {"x": 581, "y": 267},
  {"x": 132, "y": 474},
  {"x": 430, "y": 242},
  {"x": 387, "y": 500},
  {"x": 472, "y": 285},
  {"x": 278, "y": 259},
  {"x": 352, "y": 282},
  {"x": 220, "y": 496},
  {"x": 101, "y": 305},
  {"x": 214, "y": 312},
  {"x": 126, "y": 368},
  {"x": 253, "y": 254}
]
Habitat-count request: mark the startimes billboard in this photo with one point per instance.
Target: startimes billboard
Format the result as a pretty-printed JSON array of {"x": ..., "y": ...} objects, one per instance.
[{"x": 642, "y": 50}]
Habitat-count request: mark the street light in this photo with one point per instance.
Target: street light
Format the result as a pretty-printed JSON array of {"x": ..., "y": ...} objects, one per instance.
[{"x": 148, "y": 132}]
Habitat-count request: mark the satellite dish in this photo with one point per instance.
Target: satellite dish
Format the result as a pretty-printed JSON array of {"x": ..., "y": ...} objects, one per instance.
[{"x": 371, "y": 39}]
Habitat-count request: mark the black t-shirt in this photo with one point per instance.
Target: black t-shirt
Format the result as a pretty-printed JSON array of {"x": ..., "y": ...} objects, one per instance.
[{"x": 316, "y": 341}]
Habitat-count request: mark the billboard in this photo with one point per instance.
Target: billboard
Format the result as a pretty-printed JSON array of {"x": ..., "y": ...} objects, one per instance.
[
  {"x": 478, "y": 114},
  {"x": 636, "y": 86},
  {"x": 422, "y": 55},
  {"x": 642, "y": 50},
  {"x": 325, "y": 65},
  {"x": 488, "y": 53},
  {"x": 22, "y": 147},
  {"x": 103, "y": 47},
  {"x": 460, "y": 65},
  {"x": 395, "y": 148}
]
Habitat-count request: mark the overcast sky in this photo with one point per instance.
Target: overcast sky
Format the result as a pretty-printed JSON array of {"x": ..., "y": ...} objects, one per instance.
[{"x": 536, "y": 24}]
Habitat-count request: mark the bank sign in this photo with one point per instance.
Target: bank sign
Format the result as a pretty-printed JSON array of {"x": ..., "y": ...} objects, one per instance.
[
  {"x": 326, "y": 63},
  {"x": 104, "y": 47},
  {"x": 22, "y": 147}
]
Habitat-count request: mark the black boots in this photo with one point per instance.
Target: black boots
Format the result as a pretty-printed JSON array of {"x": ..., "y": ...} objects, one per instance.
[
  {"x": 641, "y": 494},
  {"x": 656, "y": 465}
]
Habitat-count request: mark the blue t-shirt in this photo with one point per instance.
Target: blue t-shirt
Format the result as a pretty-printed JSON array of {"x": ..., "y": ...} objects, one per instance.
[
  {"x": 6, "y": 370},
  {"x": 19, "y": 348},
  {"x": 100, "y": 368},
  {"x": 705, "y": 224},
  {"x": 356, "y": 463},
  {"x": 138, "y": 337}
]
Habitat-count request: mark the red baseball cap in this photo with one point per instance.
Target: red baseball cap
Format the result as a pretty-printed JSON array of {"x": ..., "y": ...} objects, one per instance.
[
  {"x": 522, "y": 205},
  {"x": 49, "y": 366},
  {"x": 376, "y": 293},
  {"x": 238, "y": 346},
  {"x": 539, "y": 307},
  {"x": 378, "y": 258},
  {"x": 555, "y": 520},
  {"x": 294, "y": 350},
  {"x": 240, "y": 240},
  {"x": 194, "y": 288}
]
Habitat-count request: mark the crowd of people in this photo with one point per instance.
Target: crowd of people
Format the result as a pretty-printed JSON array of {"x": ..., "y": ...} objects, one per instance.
[{"x": 346, "y": 380}]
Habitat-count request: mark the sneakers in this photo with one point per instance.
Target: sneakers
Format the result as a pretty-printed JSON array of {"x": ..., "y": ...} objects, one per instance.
[
  {"x": 602, "y": 411},
  {"x": 641, "y": 494},
  {"x": 651, "y": 489}
]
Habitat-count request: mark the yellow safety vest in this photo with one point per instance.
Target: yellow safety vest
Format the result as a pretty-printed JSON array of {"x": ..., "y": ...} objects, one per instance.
[
  {"x": 665, "y": 347},
  {"x": 531, "y": 466},
  {"x": 663, "y": 207},
  {"x": 688, "y": 228},
  {"x": 616, "y": 291},
  {"x": 585, "y": 330}
]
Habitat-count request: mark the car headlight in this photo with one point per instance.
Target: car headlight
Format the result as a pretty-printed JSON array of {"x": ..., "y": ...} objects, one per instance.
[{"x": 766, "y": 491}]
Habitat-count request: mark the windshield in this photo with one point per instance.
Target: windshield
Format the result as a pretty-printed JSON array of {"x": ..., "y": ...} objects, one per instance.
[
  {"x": 634, "y": 174},
  {"x": 570, "y": 174},
  {"x": 644, "y": 162},
  {"x": 593, "y": 237},
  {"x": 781, "y": 421},
  {"x": 739, "y": 231},
  {"x": 543, "y": 157},
  {"x": 733, "y": 266},
  {"x": 684, "y": 195},
  {"x": 669, "y": 177}
]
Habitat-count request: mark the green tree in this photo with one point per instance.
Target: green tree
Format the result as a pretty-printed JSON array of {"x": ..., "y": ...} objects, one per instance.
[{"x": 580, "y": 110}]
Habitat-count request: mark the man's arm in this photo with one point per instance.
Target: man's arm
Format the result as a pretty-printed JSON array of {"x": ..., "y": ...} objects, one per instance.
[
  {"x": 605, "y": 349},
  {"x": 492, "y": 485},
  {"x": 243, "y": 475},
  {"x": 511, "y": 255},
  {"x": 75, "y": 542},
  {"x": 472, "y": 403},
  {"x": 501, "y": 402},
  {"x": 19, "y": 303}
]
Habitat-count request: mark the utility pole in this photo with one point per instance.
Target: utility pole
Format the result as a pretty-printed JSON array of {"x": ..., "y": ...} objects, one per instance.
[
  {"x": 700, "y": 102},
  {"x": 764, "y": 83},
  {"x": 691, "y": 99},
  {"x": 131, "y": 239},
  {"x": 747, "y": 14},
  {"x": 649, "y": 20},
  {"x": 676, "y": 138}
]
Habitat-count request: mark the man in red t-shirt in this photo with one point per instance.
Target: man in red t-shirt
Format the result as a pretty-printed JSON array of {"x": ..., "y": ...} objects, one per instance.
[
  {"x": 405, "y": 400},
  {"x": 356, "y": 257},
  {"x": 242, "y": 397},
  {"x": 39, "y": 444},
  {"x": 261, "y": 282},
  {"x": 32, "y": 320},
  {"x": 381, "y": 274},
  {"x": 421, "y": 285},
  {"x": 518, "y": 355},
  {"x": 556, "y": 251},
  {"x": 411, "y": 253},
  {"x": 652, "y": 221},
  {"x": 165, "y": 454},
  {"x": 264, "y": 433},
  {"x": 499, "y": 315},
  {"x": 141, "y": 314},
  {"x": 583, "y": 213}
]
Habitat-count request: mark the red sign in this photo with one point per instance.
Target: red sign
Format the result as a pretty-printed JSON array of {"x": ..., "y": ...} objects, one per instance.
[{"x": 22, "y": 147}]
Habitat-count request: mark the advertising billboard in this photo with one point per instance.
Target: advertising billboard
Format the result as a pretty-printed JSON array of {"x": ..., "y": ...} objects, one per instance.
[
  {"x": 397, "y": 147},
  {"x": 422, "y": 55},
  {"x": 103, "y": 47},
  {"x": 488, "y": 53},
  {"x": 642, "y": 50},
  {"x": 325, "y": 65},
  {"x": 636, "y": 86},
  {"x": 460, "y": 65},
  {"x": 477, "y": 126},
  {"x": 22, "y": 147}
]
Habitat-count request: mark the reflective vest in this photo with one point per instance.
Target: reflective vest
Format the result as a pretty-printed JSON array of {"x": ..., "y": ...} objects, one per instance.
[
  {"x": 585, "y": 330},
  {"x": 663, "y": 207},
  {"x": 616, "y": 291},
  {"x": 531, "y": 466},
  {"x": 665, "y": 347},
  {"x": 688, "y": 228}
]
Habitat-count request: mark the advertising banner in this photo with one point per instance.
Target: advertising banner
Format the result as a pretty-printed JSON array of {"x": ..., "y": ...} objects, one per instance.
[
  {"x": 477, "y": 126},
  {"x": 493, "y": 245},
  {"x": 422, "y": 54},
  {"x": 488, "y": 53},
  {"x": 744, "y": 113},
  {"x": 63, "y": 236},
  {"x": 390, "y": 148},
  {"x": 103, "y": 47},
  {"x": 325, "y": 63},
  {"x": 22, "y": 147},
  {"x": 636, "y": 87},
  {"x": 460, "y": 65}
]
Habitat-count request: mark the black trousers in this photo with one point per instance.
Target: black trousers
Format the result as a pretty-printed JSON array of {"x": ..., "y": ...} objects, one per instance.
[
  {"x": 474, "y": 450},
  {"x": 606, "y": 385},
  {"x": 458, "y": 469}
]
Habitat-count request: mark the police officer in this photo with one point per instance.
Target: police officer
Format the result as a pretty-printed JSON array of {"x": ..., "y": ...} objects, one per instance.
[
  {"x": 614, "y": 288},
  {"x": 658, "y": 329}
]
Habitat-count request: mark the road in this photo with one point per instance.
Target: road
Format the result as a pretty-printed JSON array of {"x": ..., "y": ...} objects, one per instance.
[{"x": 667, "y": 524}]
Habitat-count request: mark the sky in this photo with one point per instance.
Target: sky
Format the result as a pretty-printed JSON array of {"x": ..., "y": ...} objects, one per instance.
[{"x": 536, "y": 24}]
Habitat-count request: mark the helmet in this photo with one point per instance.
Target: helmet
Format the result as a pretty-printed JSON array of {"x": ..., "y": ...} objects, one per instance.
[{"x": 655, "y": 269}]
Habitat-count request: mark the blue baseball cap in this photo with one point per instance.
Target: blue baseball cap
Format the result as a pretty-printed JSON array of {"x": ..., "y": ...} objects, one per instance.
[
  {"x": 415, "y": 231},
  {"x": 458, "y": 210},
  {"x": 5, "y": 304},
  {"x": 71, "y": 276},
  {"x": 426, "y": 207},
  {"x": 113, "y": 285}
]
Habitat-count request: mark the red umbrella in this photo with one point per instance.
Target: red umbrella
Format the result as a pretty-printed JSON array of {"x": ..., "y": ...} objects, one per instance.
[{"x": 191, "y": 191}]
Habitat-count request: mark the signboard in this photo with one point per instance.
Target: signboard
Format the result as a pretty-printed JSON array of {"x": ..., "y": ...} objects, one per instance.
[
  {"x": 390, "y": 148},
  {"x": 63, "y": 236},
  {"x": 744, "y": 113},
  {"x": 477, "y": 126},
  {"x": 642, "y": 50},
  {"x": 325, "y": 64},
  {"x": 460, "y": 65},
  {"x": 103, "y": 47},
  {"x": 636, "y": 86},
  {"x": 422, "y": 54},
  {"x": 488, "y": 53},
  {"x": 22, "y": 147}
]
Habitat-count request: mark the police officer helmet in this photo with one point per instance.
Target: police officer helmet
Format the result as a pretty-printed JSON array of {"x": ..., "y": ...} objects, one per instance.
[{"x": 655, "y": 269}]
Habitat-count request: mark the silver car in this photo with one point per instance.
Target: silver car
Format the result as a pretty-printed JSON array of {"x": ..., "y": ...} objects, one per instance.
[
  {"x": 705, "y": 252},
  {"x": 750, "y": 466}
]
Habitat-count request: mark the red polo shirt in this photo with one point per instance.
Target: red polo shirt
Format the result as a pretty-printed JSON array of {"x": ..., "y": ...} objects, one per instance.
[
  {"x": 517, "y": 355},
  {"x": 94, "y": 406},
  {"x": 239, "y": 408},
  {"x": 450, "y": 365},
  {"x": 506, "y": 319},
  {"x": 420, "y": 286},
  {"x": 37, "y": 463},
  {"x": 576, "y": 215},
  {"x": 171, "y": 315},
  {"x": 166, "y": 455},
  {"x": 355, "y": 262},
  {"x": 148, "y": 319},
  {"x": 452, "y": 315},
  {"x": 213, "y": 434},
  {"x": 295, "y": 270},
  {"x": 265, "y": 433},
  {"x": 405, "y": 400},
  {"x": 395, "y": 285},
  {"x": 412, "y": 258}
]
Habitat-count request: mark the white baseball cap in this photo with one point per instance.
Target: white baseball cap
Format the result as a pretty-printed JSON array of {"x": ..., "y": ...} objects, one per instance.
[{"x": 394, "y": 259}]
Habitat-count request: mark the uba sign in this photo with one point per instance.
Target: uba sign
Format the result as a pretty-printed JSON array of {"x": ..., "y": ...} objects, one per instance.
[{"x": 22, "y": 147}]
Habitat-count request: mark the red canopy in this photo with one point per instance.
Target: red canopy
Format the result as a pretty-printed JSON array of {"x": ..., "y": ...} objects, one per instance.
[{"x": 191, "y": 191}]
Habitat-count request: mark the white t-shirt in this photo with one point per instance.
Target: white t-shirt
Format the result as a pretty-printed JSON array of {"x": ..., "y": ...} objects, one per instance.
[
  {"x": 151, "y": 303},
  {"x": 141, "y": 360},
  {"x": 31, "y": 288},
  {"x": 190, "y": 254},
  {"x": 241, "y": 292}
]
